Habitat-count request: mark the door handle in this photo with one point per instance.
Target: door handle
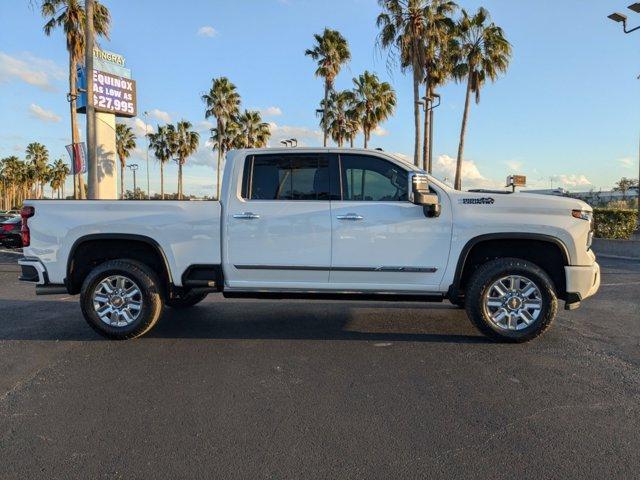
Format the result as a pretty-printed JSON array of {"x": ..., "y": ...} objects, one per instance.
[
  {"x": 246, "y": 215},
  {"x": 350, "y": 216}
]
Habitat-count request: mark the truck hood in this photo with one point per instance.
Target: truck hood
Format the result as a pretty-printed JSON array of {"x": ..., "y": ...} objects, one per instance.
[{"x": 519, "y": 201}]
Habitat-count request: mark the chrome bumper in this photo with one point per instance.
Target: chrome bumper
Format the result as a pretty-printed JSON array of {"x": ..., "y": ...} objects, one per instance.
[{"x": 33, "y": 271}]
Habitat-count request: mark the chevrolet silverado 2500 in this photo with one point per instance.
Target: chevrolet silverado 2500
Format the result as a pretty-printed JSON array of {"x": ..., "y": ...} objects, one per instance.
[{"x": 318, "y": 223}]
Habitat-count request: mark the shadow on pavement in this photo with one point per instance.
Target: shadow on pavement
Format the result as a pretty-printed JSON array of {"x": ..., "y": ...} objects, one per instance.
[{"x": 269, "y": 320}]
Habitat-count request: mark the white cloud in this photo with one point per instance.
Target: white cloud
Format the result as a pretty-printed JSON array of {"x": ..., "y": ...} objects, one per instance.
[
  {"x": 36, "y": 111},
  {"x": 204, "y": 155},
  {"x": 627, "y": 162},
  {"x": 39, "y": 72},
  {"x": 304, "y": 135},
  {"x": 204, "y": 126},
  {"x": 207, "y": 31},
  {"x": 271, "y": 111},
  {"x": 572, "y": 180},
  {"x": 514, "y": 165},
  {"x": 160, "y": 115},
  {"x": 139, "y": 127},
  {"x": 445, "y": 167},
  {"x": 380, "y": 132}
]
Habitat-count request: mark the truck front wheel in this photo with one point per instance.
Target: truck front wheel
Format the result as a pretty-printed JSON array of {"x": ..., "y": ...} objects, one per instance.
[
  {"x": 121, "y": 299},
  {"x": 511, "y": 300}
]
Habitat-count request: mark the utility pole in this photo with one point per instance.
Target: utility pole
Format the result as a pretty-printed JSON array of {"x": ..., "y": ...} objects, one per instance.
[{"x": 92, "y": 167}]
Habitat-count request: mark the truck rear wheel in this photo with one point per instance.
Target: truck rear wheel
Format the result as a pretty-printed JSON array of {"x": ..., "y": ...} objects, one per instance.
[
  {"x": 511, "y": 300},
  {"x": 121, "y": 299}
]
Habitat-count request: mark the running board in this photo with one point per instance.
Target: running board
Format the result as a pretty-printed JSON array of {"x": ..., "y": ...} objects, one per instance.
[
  {"x": 319, "y": 295},
  {"x": 51, "y": 290}
]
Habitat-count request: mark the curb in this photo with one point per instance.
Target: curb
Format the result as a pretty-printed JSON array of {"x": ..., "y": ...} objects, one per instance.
[{"x": 617, "y": 257}]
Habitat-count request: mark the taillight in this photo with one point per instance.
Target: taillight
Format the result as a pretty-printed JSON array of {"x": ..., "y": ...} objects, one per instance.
[
  {"x": 26, "y": 213},
  {"x": 7, "y": 227}
]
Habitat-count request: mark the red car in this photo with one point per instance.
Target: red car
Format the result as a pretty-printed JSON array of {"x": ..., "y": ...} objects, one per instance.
[{"x": 10, "y": 236}]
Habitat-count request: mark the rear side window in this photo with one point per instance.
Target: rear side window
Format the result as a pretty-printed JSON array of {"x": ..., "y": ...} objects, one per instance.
[
  {"x": 373, "y": 179},
  {"x": 286, "y": 177}
]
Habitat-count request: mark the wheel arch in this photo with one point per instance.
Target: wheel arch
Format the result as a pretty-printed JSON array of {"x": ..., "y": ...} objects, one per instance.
[
  {"x": 507, "y": 244},
  {"x": 134, "y": 246}
]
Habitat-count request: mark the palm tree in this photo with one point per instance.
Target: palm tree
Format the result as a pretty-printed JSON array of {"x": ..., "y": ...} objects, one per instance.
[
  {"x": 337, "y": 114},
  {"x": 160, "y": 143},
  {"x": 184, "y": 142},
  {"x": 484, "y": 53},
  {"x": 223, "y": 140},
  {"x": 125, "y": 143},
  {"x": 374, "y": 102},
  {"x": 253, "y": 132},
  {"x": 223, "y": 103},
  {"x": 59, "y": 172},
  {"x": 331, "y": 51},
  {"x": 9, "y": 173},
  {"x": 403, "y": 27},
  {"x": 438, "y": 36},
  {"x": 353, "y": 125},
  {"x": 70, "y": 16},
  {"x": 38, "y": 155}
]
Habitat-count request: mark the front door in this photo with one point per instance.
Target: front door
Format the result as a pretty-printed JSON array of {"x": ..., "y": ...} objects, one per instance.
[
  {"x": 381, "y": 241},
  {"x": 279, "y": 223}
]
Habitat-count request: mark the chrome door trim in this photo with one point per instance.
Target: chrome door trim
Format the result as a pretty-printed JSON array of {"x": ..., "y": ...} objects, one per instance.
[
  {"x": 281, "y": 267},
  {"x": 339, "y": 269}
]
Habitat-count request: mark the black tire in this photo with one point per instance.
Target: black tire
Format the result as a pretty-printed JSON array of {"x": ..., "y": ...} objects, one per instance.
[
  {"x": 150, "y": 296},
  {"x": 187, "y": 300},
  {"x": 493, "y": 270}
]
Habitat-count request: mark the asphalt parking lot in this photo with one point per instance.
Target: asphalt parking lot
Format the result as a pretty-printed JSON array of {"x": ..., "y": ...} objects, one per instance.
[{"x": 300, "y": 390}]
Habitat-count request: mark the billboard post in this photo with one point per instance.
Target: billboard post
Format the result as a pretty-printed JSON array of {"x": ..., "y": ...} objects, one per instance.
[{"x": 91, "y": 117}]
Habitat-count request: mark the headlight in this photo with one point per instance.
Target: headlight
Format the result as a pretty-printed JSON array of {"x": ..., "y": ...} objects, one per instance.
[
  {"x": 588, "y": 216},
  {"x": 582, "y": 214}
]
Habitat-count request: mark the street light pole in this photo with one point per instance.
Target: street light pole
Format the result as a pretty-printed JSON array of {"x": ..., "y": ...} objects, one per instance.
[
  {"x": 146, "y": 131},
  {"x": 92, "y": 167},
  {"x": 134, "y": 168},
  {"x": 320, "y": 111},
  {"x": 429, "y": 105},
  {"x": 620, "y": 18}
]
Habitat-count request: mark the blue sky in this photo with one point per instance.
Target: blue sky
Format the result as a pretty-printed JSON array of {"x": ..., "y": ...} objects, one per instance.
[{"x": 566, "y": 113}]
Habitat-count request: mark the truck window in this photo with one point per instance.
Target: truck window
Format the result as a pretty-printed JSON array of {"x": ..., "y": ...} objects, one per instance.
[
  {"x": 372, "y": 179},
  {"x": 286, "y": 177}
]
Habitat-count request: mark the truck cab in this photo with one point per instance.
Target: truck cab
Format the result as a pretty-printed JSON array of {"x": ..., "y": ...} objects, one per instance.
[{"x": 318, "y": 223}]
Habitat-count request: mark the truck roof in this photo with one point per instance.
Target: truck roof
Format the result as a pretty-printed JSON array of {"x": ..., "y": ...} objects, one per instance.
[{"x": 276, "y": 150}]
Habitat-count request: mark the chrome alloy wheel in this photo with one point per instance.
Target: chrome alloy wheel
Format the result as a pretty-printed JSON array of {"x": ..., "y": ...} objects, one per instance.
[
  {"x": 117, "y": 301},
  {"x": 513, "y": 302}
]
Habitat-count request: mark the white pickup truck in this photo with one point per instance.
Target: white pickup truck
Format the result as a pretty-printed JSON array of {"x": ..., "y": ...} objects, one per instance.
[{"x": 317, "y": 223}]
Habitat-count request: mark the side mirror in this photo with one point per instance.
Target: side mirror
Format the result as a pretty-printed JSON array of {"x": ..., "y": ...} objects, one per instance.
[{"x": 421, "y": 195}]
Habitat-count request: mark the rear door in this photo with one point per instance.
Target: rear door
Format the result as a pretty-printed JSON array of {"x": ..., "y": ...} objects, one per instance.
[
  {"x": 279, "y": 223},
  {"x": 381, "y": 241}
]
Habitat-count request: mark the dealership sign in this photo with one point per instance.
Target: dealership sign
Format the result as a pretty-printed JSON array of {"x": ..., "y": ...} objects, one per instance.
[
  {"x": 113, "y": 89},
  {"x": 111, "y": 94},
  {"x": 114, "y": 94},
  {"x": 516, "y": 181}
]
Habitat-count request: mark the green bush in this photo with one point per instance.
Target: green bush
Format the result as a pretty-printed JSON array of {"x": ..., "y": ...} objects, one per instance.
[{"x": 612, "y": 223}]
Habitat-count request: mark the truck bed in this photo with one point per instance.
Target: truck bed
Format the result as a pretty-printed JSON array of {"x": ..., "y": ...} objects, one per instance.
[{"x": 187, "y": 232}]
